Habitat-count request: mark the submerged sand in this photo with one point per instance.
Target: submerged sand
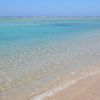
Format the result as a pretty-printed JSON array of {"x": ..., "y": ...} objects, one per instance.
[
  {"x": 85, "y": 89},
  {"x": 83, "y": 85}
]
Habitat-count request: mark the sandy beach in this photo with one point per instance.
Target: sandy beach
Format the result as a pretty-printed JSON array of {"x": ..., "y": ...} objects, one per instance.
[{"x": 85, "y": 89}]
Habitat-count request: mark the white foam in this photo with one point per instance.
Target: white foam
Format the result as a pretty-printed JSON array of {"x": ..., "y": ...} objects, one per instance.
[{"x": 54, "y": 91}]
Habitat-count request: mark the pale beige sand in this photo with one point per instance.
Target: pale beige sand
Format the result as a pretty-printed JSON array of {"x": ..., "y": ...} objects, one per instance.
[{"x": 85, "y": 89}]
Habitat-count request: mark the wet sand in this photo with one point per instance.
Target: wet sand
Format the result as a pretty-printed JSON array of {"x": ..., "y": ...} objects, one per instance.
[{"x": 84, "y": 89}]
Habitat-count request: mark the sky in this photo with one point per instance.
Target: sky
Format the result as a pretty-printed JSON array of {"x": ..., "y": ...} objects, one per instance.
[{"x": 49, "y": 7}]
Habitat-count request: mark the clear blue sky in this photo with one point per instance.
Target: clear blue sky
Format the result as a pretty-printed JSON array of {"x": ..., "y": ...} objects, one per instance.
[{"x": 49, "y": 7}]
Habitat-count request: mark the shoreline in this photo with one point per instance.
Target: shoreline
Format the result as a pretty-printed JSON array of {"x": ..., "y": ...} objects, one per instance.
[
  {"x": 63, "y": 84},
  {"x": 67, "y": 84}
]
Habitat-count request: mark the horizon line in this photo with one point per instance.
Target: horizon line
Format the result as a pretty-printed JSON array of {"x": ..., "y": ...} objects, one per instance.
[{"x": 48, "y": 16}]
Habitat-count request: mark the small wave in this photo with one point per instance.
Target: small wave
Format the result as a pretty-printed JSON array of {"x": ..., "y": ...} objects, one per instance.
[{"x": 53, "y": 91}]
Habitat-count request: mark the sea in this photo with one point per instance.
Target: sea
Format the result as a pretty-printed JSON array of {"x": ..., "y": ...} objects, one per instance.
[{"x": 35, "y": 52}]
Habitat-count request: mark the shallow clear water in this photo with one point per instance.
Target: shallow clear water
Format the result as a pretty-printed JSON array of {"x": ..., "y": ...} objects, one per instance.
[{"x": 31, "y": 48}]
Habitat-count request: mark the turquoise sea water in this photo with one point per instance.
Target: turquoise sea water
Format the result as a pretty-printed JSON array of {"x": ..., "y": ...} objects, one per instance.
[
  {"x": 41, "y": 29},
  {"x": 44, "y": 47}
]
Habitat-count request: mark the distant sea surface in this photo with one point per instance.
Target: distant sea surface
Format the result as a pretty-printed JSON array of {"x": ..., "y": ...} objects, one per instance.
[{"x": 35, "y": 51}]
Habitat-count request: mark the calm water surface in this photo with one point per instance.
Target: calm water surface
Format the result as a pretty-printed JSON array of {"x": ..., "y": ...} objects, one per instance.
[{"x": 34, "y": 51}]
